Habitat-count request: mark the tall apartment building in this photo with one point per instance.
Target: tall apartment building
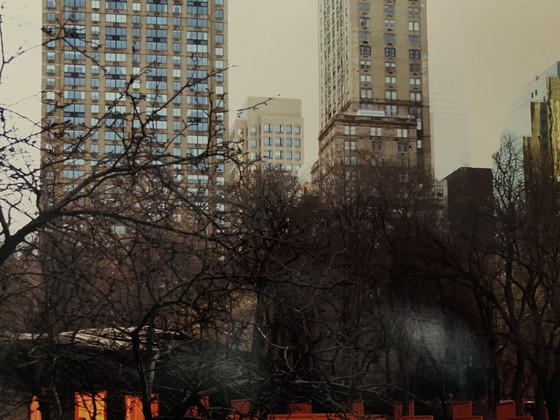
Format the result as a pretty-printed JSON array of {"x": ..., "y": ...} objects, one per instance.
[
  {"x": 148, "y": 73},
  {"x": 270, "y": 133},
  {"x": 374, "y": 96},
  {"x": 532, "y": 125}
]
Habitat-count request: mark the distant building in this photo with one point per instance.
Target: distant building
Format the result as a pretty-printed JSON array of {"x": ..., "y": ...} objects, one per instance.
[
  {"x": 532, "y": 126},
  {"x": 269, "y": 133},
  {"x": 468, "y": 202},
  {"x": 374, "y": 96}
]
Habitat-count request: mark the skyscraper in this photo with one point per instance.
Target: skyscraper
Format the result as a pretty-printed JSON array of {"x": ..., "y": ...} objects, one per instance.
[
  {"x": 374, "y": 98},
  {"x": 124, "y": 74},
  {"x": 270, "y": 133},
  {"x": 532, "y": 126}
]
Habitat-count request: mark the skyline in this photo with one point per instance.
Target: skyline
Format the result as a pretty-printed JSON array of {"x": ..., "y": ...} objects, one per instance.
[{"x": 273, "y": 51}]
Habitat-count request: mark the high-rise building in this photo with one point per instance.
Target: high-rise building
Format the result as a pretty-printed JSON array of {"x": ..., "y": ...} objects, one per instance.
[
  {"x": 133, "y": 74},
  {"x": 270, "y": 133},
  {"x": 532, "y": 127},
  {"x": 374, "y": 99}
]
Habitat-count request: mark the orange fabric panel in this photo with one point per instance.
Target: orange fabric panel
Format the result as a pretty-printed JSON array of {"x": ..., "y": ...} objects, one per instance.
[
  {"x": 34, "y": 412},
  {"x": 90, "y": 408},
  {"x": 358, "y": 408},
  {"x": 133, "y": 406},
  {"x": 242, "y": 407},
  {"x": 505, "y": 410},
  {"x": 295, "y": 408},
  {"x": 462, "y": 409}
]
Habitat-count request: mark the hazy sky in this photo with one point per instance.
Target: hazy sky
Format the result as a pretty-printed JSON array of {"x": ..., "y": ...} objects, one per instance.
[{"x": 499, "y": 45}]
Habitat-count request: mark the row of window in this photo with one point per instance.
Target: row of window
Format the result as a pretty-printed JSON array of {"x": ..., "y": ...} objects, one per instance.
[
  {"x": 375, "y": 131},
  {"x": 278, "y": 129},
  {"x": 193, "y": 6},
  {"x": 389, "y": 10},
  {"x": 350, "y": 145},
  {"x": 390, "y": 24},
  {"x": 390, "y": 80},
  {"x": 123, "y": 57},
  {"x": 365, "y": 50},
  {"x": 376, "y": 161},
  {"x": 278, "y": 142},
  {"x": 281, "y": 154}
]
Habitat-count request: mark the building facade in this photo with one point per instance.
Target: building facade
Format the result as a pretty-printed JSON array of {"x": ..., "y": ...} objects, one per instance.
[
  {"x": 533, "y": 126},
  {"x": 374, "y": 95},
  {"x": 269, "y": 133},
  {"x": 147, "y": 75}
]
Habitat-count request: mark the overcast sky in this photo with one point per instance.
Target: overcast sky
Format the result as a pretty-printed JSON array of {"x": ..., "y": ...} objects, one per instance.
[{"x": 500, "y": 45}]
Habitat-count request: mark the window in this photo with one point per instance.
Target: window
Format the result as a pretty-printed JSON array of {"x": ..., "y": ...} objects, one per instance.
[
  {"x": 365, "y": 78},
  {"x": 414, "y": 39},
  {"x": 279, "y": 154},
  {"x": 115, "y": 37},
  {"x": 415, "y": 68},
  {"x": 390, "y": 67},
  {"x": 350, "y": 160},
  {"x": 402, "y": 132},
  {"x": 389, "y": 10},
  {"x": 297, "y": 142},
  {"x": 390, "y": 38},
  {"x": 390, "y": 80},
  {"x": 414, "y": 26},
  {"x": 279, "y": 142},
  {"x": 390, "y": 52},
  {"x": 267, "y": 128},
  {"x": 377, "y": 161},
  {"x": 391, "y": 110},
  {"x": 415, "y": 82},
  {"x": 113, "y": 18},
  {"x": 390, "y": 95},
  {"x": 74, "y": 3},
  {"x": 413, "y": 12},
  {"x": 156, "y": 39},
  {"x": 267, "y": 141},
  {"x": 366, "y": 93},
  {"x": 376, "y": 131},
  {"x": 364, "y": 7},
  {"x": 404, "y": 163},
  {"x": 349, "y": 145},
  {"x": 364, "y": 22},
  {"x": 414, "y": 54},
  {"x": 278, "y": 128},
  {"x": 365, "y": 50},
  {"x": 376, "y": 146},
  {"x": 415, "y": 96},
  {"x": 365, "y": 36},
  {"x": 156, "y": 20},
  {"x": 297, "y": 155},
  {"x": 156, "y": 5},
  {"x": 73, "y": 173},
  {"x": 115, "y": 4},
  {"x": 297, "y": 130},
  {"x": 365, "y": 64},
  {"x": 197, "y": 41},
  {"x": 197, "y": 7},
  {"x": 402, "y": 147},
  {"x": 389, "y": 24}
]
